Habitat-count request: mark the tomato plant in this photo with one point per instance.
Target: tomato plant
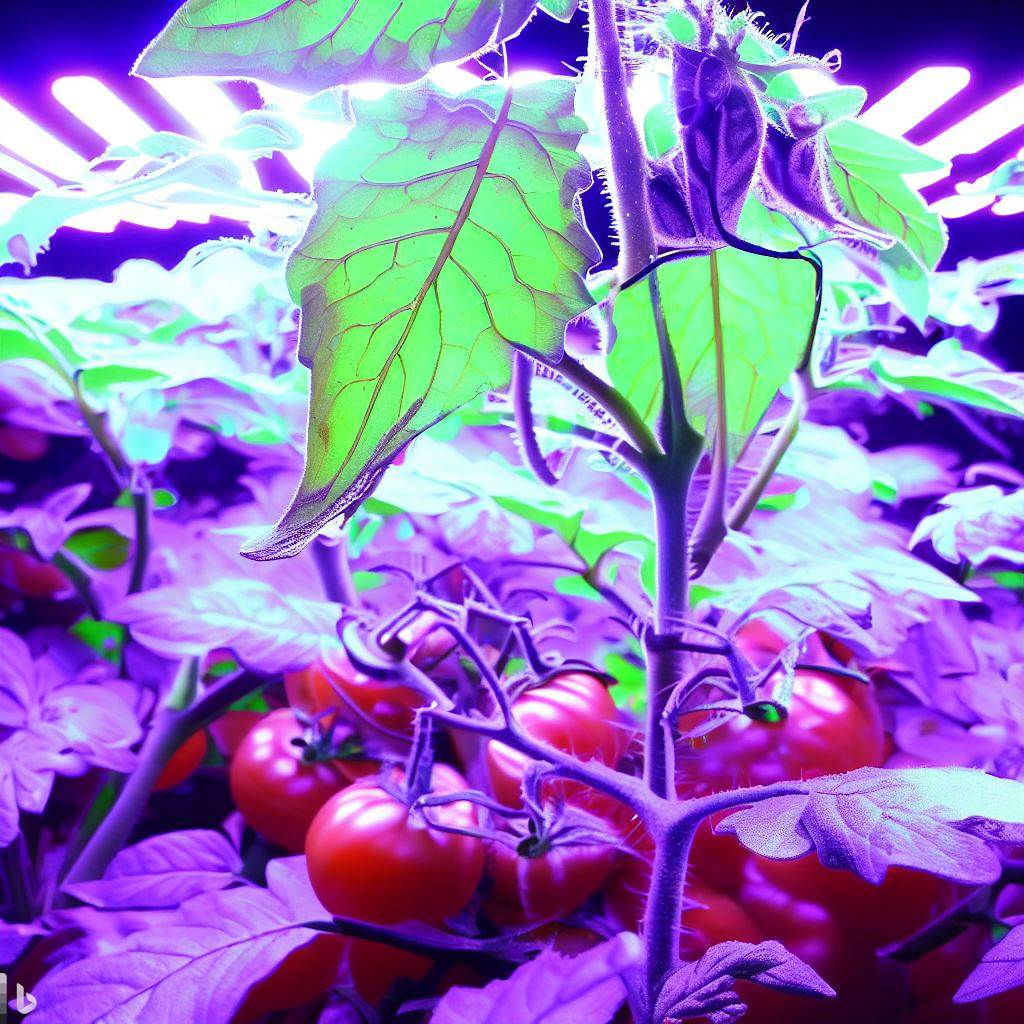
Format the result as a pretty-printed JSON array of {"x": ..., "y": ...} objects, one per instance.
[{"x": 563, "y": 460}]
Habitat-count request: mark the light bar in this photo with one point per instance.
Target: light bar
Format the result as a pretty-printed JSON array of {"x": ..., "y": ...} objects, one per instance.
[
  {"x": 201, "y": 102},
  {"x": 24, "y": 138},
  {"x": 974, "y": 133},
  {"x": 29, "y": 175},
  {"x": 913, "y": 100},
  {"x": 95, "y": 105},
  {"x": 954, "y": 207}
]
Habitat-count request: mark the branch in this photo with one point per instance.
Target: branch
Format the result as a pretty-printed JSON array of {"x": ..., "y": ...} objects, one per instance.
[
  {"x": 747, "y": 501},
  {"x": 628, "y": 172},
  {"x": 522, "y": 376}
]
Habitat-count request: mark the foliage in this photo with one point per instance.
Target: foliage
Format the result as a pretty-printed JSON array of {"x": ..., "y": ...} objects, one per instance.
[{"x": 759, "y": 475}]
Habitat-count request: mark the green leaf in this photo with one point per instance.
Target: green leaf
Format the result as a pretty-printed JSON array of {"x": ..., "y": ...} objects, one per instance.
[
  {"x": 447, "y": 231},
  {"x": 907, "y": 278},
  {"x": 99, "y": 547},
  {"x": 312, "y": 45},
  {"x": 563, "y": 10},
  {"x": 867, "y": 170},
  {"x": 947, "y": 372},
  {"x": 767, "y": 320}
]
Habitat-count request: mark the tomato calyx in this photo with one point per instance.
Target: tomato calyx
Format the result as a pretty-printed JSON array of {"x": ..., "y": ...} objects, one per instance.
[{"x": 325, "y": 738}]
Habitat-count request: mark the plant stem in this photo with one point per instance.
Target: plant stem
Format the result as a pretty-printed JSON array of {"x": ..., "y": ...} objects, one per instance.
[
  {"x": 522, "y": 377},
  {"x": 669, "y": 493},
  {"x": 662, "y": 915},
  {"x": 81, "y": 581},
  {"x": 141, "y": 508},
  {"x": 614, "y": 404},
  {"x": 181, "y": 716},
  {"x": 335, "y": 572},
  {"x": 627, "y": 177},
  {"x": 747, "y": 501}
]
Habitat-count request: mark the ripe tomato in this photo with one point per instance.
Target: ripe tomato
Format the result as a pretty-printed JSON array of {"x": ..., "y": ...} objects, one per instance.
[
  {"x": 574, "y": 712},
  {"x": 1005, "y": 1008},
  {"x": 546, "y": 886},
  {"x": 278, "y": 792},
  {"x": 374, "y": 967},
  {"x": 833, "y": 726},
  {"x": 232, "y": 727},
  {"x": 877, "y": 915},
  {"x": 335, "y": 683},
  {"x": 372, "y": 859},
  {"x": 183, "y": 762},
  {"x": 23, "y": 573},
  {"x": 304, "y": 974}
]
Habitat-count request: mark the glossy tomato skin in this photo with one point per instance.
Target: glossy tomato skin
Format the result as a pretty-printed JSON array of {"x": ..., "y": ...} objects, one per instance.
[
  {"x": 834, "y": 725},
  {"x": 183, "y": 762},
  {"x": 372, "y": 859},
  {"x": 304, "y": 974},
  {"x": 336, "y": 684},
  {"x": 276, "y": 791},
  {"x": 572, "y": 711},
  {"x": 544, "y": 887}
]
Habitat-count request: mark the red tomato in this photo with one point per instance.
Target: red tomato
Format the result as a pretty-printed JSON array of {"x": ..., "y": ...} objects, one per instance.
[
  {"x": 574, "y": 712},
  {"x": 232, "y": 727},
  {"x": 336, "y": 683},
  {"x": 625, "y": 895},
  {"x": 1005, "y": 1008},
  {"x": 867, "y": 989},
  {"x": 278, "y": 792},
  {"x": 183, "y": 762},
  {"x": 877, "y": 915},
  {"x": 833, "y": 726},
  {"x": 23, "y": 573},
  {"x": 935, "y": 977},
  {"x": 374, "y": 967},
  {"x": 23, "y": 444},
  {"x": 547, "y": 886},
  {"x": 372, "y": 859},
  {"x": 304, "y": 974},
  {"x": 716, "y": 917}
]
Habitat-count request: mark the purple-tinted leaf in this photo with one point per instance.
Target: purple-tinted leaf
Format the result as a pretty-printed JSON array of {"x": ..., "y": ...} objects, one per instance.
[
  {"x": 198, "y": 969},
  {"x": 55, "y": 719},
  {"x": 47, "y": 523},
  {"x": 873, "y": 818},
  {"x": 164, "y": 871},
  {"x": 268, "y": 631},
  {"x": 1001, "y": 968},
  {"x": 552, "y": 989},
  {"x": 704, "y": 988},
  {"x": 981, "y": 525}
]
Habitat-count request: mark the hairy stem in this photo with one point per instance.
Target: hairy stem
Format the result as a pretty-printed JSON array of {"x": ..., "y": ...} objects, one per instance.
[
  {"x": 627, "y": 179},
  {"x": 627, "y": 418},
  {"x": 522, "y": 377},
  {"x": 662, "y": 916}
]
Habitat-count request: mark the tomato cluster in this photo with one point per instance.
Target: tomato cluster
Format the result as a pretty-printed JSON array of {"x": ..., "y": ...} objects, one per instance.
[{"x": 376, "y": 855}]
